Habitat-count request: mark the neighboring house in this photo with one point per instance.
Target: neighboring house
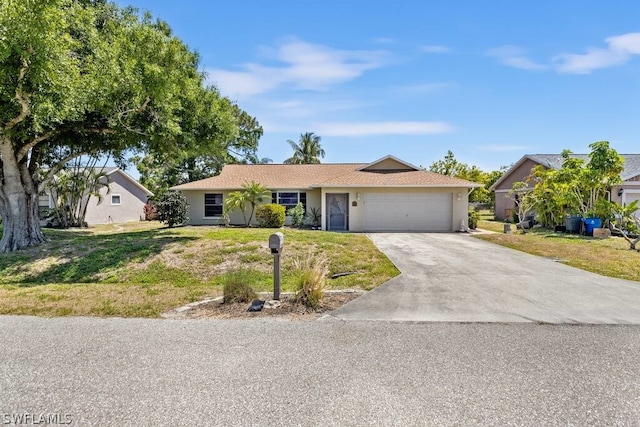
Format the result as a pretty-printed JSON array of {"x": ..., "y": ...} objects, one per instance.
[
  {"x": 386, "y": 195},
  {"x": 124, "y": 202},
  {"x": 624, "y": 193}
]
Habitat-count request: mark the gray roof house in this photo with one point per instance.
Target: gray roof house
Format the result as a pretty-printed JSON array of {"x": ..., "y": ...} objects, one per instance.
[{"x": 624, "y": 193}]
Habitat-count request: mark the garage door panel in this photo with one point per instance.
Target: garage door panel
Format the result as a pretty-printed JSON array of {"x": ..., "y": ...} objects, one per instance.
[{"x": 407, "y": 212}]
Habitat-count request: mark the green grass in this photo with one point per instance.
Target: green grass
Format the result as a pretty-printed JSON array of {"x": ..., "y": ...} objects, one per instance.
[
  {"x": 143, "y": 269},
  {"x": 608, "y": 257}
]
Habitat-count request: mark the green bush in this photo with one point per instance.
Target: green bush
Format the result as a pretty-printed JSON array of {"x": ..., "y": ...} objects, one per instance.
[
  {"x": 474, "y": 216},
  {"x": 297, "y": 215},
  {"x": 270, "y": 215},
  {"x": 311, "y": 279},
  {"x": 236, "y": 287},
  {"x": 172, "y": 209}
]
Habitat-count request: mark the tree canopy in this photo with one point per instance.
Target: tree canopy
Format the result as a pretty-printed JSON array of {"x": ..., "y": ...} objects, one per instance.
[
  {"x": 449, "y": 165},
  {"x": 82, "y": 77},
  {"x": 159, "y": 172},
  {"x": 307, "y": 151},
  {"x": 578, "y": 187}
]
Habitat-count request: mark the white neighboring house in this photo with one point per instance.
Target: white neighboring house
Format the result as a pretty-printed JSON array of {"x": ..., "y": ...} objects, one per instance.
[{"x": 124, "y": 202}]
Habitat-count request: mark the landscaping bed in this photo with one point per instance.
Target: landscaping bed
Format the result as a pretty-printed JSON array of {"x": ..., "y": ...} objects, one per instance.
[{"x": 288, "y": 309}]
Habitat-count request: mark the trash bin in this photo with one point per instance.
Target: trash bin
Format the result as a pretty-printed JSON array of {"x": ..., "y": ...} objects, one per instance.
[
  {"x": 572, "y": 224},
  {"x": 590, "y": 224}
]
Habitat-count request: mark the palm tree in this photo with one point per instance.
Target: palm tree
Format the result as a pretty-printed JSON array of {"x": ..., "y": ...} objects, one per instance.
[
  {"x": 252, "y": 193},
  {"x": 306, "y": 151}
]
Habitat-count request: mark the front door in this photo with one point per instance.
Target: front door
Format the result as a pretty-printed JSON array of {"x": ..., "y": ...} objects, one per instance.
[{"x": 338, "y": 212}]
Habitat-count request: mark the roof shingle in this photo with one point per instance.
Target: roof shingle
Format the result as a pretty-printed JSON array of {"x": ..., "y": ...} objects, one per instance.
[{"x": 279, "y": 176}]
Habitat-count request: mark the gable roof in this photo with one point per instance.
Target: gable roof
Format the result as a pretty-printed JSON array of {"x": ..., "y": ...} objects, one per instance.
[
  {"x": 386, "y": 161},
  {"x": 285, "y": 176},
  {"x": 554, "y": 161},
  {"x": 110, "y": 170}
]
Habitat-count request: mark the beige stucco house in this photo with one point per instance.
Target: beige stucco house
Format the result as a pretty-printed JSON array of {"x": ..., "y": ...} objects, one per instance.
[
  {"x": 624, "y": 193},
  {"x": 386, "y": 195},
  {"x": 123, "y": 201}
]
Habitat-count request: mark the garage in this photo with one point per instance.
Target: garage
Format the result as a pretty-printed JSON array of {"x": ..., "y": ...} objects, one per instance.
[{"x": 407, "y": 211}]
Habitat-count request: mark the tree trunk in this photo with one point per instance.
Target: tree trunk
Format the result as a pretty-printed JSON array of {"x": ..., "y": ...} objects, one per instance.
[{"x": 18, "y": 204}]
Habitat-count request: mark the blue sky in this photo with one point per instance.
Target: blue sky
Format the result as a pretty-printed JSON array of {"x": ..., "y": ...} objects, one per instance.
[{"x": 489, "y": 80}]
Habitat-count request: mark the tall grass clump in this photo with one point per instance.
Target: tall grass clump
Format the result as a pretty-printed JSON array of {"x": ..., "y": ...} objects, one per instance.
[
  {"x": 311, "y": 278},
  {"x": 237, "y": 288}
]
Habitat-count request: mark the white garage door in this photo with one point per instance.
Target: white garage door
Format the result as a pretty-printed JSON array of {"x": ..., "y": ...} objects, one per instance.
[{"x": 407, "y": 212}]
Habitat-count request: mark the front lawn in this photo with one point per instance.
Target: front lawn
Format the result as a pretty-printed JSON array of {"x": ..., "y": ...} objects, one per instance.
[
  {"x": 142, "y": 269},
  {"x": 608, "y": 257}
]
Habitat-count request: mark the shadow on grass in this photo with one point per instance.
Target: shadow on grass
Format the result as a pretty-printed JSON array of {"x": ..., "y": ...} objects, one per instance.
[{"x": 80, "y": 257}]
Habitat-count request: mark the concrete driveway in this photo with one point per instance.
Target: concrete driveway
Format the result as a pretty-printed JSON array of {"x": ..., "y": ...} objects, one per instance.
[{"x": 457, "y": 278}]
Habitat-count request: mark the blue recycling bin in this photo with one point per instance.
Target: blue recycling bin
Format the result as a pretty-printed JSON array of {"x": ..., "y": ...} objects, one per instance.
[{"x": 590, "y": 224}]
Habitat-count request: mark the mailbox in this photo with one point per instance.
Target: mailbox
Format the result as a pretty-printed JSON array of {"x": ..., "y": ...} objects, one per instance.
[{"x": 276, "y": 242}]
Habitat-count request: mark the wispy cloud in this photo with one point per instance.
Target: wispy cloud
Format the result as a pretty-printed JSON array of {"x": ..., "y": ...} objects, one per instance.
[
  {"x": 434, "y": 49},
  {"x": 425, "y": 88},
  {"x": 355, "y": 129},
  {"x": 619, "y": 50},
  {"x": 514, "y": 56},
  {"x": 499, "y": 148},
  {"x": 384, "y": 40},
  {"x": 300, "y": 65}
]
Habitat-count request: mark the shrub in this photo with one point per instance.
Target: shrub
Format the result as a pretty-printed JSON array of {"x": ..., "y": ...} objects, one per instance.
[
  {"x": 270, "y": 215},
  {"x": 172, "y": 209},
  {"x": 311, "y": 279},
  {"x": 150, "y": 212},
  {"x": 474, "y": 216},
  {"x": 236, "y": 287},
  {"x": 297, "y": 215}
]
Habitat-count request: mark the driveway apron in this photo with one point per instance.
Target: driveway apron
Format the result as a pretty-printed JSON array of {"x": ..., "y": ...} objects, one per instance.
[{"x": 457, "y": 278}]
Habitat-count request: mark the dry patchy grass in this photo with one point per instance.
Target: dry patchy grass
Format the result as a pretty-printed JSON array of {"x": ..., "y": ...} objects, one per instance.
[
  {"x": 609, "y": 257},
  {"x": 143, "y": 269}
]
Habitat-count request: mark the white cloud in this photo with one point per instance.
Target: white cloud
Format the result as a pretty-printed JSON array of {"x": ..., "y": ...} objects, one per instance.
[
  {"x": 434, "y": 49},
  {"x": 302, "y": 65},
  {"x": 499, "y": 148},
  {"x": 513, "y": 56},
  {"x": 619, "y": 50},
  {"x": 355, "y": 129}
]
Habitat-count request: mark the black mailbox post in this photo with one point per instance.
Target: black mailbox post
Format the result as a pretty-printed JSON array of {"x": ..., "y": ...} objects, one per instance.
[{"x": 276, "y": 243}]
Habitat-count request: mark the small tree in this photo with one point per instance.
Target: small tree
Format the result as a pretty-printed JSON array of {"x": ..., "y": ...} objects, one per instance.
[
  {"x": 252, "y": 193},
  {"x": 72, "y": 188},
  {"x": 522, "y": 194},
  {"x": 172, "y": 209},
  {"x": 626, "y": 222}
]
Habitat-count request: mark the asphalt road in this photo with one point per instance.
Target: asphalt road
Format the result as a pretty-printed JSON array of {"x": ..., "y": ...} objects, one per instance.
[{"x": 133, "y": 372}]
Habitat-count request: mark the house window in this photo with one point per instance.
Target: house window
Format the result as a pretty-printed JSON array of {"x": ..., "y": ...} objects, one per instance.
[
  {"x": 115, "y": 199},
  {"x": 212, "y": 205},
  {"x": 290, "y": 199}
]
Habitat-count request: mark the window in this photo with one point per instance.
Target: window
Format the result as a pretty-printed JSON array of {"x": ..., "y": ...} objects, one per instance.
[
  {"x": 212, "y": 204},
  {"x": 115, "y": 199},
  {"x": 290, "y": 199}
]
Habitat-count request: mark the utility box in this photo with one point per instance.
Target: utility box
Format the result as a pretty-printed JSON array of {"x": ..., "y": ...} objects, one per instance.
[{"x": 276, "y": 242}]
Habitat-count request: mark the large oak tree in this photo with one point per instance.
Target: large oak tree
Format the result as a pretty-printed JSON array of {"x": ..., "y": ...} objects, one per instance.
[{"x": 85, "y": 77}]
